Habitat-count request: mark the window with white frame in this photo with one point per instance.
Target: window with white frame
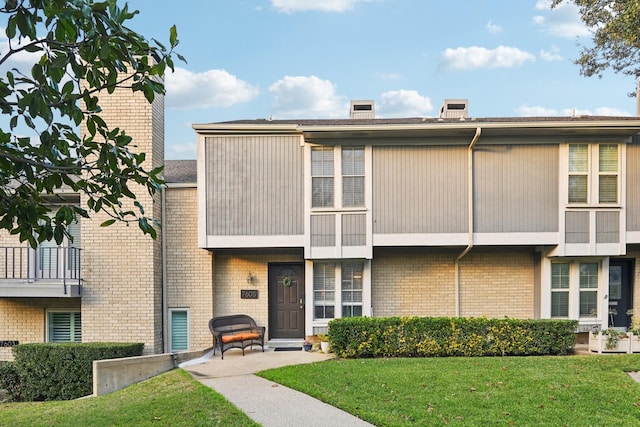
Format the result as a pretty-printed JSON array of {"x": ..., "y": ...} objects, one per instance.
[
  {"x": 352, "y": 289},
  {"x": 560, "y": 290},
  {"x": 593, "y": 173},
  {"x": 64, "y": 326},
  {"x": 324, "y": 290},
  {"x": 352, "y": 176},
  {"x": 322, "y": 177},
  {"x": 179, "y": 329},
  {"x": 588, "y": 289},
  {"x": 574, "y": 289}
]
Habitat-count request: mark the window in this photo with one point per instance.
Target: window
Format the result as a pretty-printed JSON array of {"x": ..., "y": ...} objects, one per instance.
[
  {"x": 608, "y": 173},
  {"x": 64, "y": 326},
  {"x": 179, "y": 324},
  {"x": 574, "y": 289},
  {"x": 578, "y": 173},
  {"x": 352, "y": 176},
  {"x": 593, "y": 173},
  {"x": 322, "y": 179},
  {"x": 559, "y": 290},
  {"x": 588, "y": 289},
  {"x": 352, "y": 289},
  {"x": 324, "y": 285}
]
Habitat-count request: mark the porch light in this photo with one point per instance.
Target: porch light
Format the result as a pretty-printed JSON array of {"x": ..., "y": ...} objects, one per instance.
[{"x": 251, "y": 278}]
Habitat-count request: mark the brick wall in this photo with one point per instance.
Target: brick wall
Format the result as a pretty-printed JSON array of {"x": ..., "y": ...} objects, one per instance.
[
  {"x": 122, "y": 268},
  {"x": 189, "y": 269},
  {"x": 422, "y": 283},
  {"x": 23, "y": 319},
  {"x": 230, "y": 276}
]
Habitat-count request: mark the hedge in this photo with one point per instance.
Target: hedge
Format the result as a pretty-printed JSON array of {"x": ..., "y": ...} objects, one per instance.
[
  {"x": 64, "y": 371},
  {"x": 362, "y": 337}
]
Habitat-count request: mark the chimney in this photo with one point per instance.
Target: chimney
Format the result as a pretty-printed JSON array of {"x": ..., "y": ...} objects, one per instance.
[
  {"x": 454, "y": 109},
  {"x": 362, "y": 110}
]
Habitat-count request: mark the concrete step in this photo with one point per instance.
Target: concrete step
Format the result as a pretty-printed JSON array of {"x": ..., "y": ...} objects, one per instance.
[{"x": 293, "y": 342}]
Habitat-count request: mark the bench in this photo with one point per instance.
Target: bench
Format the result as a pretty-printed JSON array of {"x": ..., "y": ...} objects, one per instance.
[{"x": 235, "y": 331}]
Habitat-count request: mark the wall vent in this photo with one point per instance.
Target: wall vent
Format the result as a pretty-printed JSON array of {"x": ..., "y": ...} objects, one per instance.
[
  {"x": 454, "y": 109},
  {"x": 362, "y": 110}
]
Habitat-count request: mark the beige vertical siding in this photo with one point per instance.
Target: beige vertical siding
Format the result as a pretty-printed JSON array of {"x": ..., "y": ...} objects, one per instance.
[
  {"x": 354, "y": 230},
  {"x": 323, "y": 230},
  {"x": 189, "y": 268},
  {"x": 633, "y": 187},
  {"x": 516, "y": 188},
  {"x": 420, "y": 189},
  {"x": 255, "y": 185},
  {"x": 607, "y": 227},
  {"x": 577, "y": 227}
]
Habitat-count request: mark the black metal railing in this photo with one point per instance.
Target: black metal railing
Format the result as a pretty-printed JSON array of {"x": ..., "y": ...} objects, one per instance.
[{"x": 50, "y": 263}]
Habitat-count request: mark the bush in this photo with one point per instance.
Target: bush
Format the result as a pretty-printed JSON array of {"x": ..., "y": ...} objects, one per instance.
[
  {"x": 441, "y": 336},
  {"x": 64, "y": 371},
  {"x": 10, "y": 380}
]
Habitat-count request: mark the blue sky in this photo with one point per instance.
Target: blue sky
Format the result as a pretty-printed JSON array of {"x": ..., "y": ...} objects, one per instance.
[{"x": 288, "y": 59}]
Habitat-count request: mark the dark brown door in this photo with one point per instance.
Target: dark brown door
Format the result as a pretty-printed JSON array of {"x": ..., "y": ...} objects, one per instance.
[
  {"x": 620, "y": 292},
  {"x": 286, "y": 300}
]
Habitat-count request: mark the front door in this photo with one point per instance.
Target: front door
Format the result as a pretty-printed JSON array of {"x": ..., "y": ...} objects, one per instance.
[
  {"x": 620, "y": 292},
  {"x": 286, "y": 300}
]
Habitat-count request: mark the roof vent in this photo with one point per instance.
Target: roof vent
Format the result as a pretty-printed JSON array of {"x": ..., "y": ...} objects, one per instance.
[
  {"x": 454, "y": 109},
  {"x": 362, "y": 110}
]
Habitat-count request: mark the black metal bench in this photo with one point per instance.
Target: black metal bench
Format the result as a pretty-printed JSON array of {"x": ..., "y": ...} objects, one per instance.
[{"x": 235, "y": 331}]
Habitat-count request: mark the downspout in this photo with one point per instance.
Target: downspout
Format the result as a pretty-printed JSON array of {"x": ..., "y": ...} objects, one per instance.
[
  {"x": 163, "y": 243},
  {"x": 470, "y": 217}
]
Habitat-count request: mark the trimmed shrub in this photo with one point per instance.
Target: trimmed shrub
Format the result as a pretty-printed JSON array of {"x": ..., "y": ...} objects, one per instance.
[
  {"x": 360, "y": 337},
  {"x": 63, "y": 371},
  {"x": 10, "y": 380}
]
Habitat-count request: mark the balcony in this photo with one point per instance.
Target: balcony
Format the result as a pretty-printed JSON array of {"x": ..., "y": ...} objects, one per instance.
[{"x": 46, "y": 272}]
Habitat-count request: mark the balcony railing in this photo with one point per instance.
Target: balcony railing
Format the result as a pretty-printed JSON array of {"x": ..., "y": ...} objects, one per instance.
[{"x": 47, "y": 264}]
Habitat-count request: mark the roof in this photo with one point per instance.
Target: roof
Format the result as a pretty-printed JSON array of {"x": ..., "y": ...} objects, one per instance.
[
  {"x": 436, "y": 129},
  {"x": 180, "y": 171}
]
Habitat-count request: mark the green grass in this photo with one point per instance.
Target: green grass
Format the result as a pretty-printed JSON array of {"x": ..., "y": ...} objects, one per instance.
[
  {"x": 170, "y": 399},
  {"x": 489, "y": 391}
]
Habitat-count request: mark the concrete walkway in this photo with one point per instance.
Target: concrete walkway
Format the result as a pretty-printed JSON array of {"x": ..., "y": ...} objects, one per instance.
[{"x": 266, "y": 402}]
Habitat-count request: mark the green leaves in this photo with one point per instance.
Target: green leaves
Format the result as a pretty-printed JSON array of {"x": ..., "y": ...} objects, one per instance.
[{"x": 82, "y": 50}]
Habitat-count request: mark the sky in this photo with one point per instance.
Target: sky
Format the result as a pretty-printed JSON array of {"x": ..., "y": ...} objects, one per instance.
[{"x": 303, "y": 59}]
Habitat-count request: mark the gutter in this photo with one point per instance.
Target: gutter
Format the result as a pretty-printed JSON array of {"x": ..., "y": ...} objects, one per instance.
[
  {"x": 470, "y": 217},
  {"x": 165, "y": 309}
]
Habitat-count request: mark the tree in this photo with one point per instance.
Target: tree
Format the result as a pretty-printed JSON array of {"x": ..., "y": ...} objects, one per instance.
[
  {"x": 79, "y": 48},
  {"x": 616, "y": 36}
]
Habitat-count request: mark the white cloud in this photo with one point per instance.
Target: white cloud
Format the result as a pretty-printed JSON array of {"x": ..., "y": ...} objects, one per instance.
[
  {"x": 552, "y": 55},
  {"x": 307, "y": 97},
  {"x": 535, "y": 111},
  {"x": 493, "y": 28},
  {"x": 404, "y": 103},
  {"x": 562, "y": 21},
  {"x": 211, "y": 89},
  {"x": 291, "y": 6},
  {"x": 530, "y": 111},
  {"x": 185, "y": 150},
  {"x": 466, "y": 58}
]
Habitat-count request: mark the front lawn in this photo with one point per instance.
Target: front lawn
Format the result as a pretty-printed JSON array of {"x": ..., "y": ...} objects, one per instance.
[
  {"x": 509, "y": 391},
  {"x": 170, "y": 399}
]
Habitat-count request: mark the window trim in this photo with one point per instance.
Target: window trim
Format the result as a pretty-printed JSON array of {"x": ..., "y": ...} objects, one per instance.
[
  {"x": 593, "y": 174},
  {"x": 170, "y": 327},
  {"x": 47, "y": 328},
  {"x": 601, "y": 317}
]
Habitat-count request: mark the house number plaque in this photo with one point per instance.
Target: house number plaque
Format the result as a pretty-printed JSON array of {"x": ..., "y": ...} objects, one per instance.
[
  {"x": 9, "y": 343},
  {"x": 249, "y": 294}
]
